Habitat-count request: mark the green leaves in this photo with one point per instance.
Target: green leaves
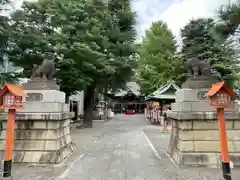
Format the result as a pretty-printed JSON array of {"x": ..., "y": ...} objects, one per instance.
[
  {"x": 229, "y": 19},
  {"x": 92, "y": 42},
  {"x": 121, "y": 50},
  {"x": 158, "y": 62},
  {"x": 201, "y": 39},
  {"x": 8, "y": 77}
]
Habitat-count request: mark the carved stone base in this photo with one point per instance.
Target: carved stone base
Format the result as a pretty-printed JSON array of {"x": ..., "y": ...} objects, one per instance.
[
  {"x": 198, "y": 83},
  {"x": 208, "y": 159},
  {"x": 44, "y": 157},
  {"x": 41, "y": 84},
  {"x": 40, "y": 137},
  {"x": 195, "y": 139}
]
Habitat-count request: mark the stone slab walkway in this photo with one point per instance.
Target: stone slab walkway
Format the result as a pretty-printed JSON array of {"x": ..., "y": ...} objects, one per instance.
[
  {"x": 160, "y": 142},
  {"x": 124, "y": 148},
  {"x": 123, "y": 153}
]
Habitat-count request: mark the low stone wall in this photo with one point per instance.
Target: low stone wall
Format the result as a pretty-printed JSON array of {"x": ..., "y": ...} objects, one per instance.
[
  {"x": 40, "y": 137},
  {"x": 195, "y": 139}
]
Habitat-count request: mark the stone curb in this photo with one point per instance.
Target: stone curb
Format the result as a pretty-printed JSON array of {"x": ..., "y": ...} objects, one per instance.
[{"x": 102, "y": 121}]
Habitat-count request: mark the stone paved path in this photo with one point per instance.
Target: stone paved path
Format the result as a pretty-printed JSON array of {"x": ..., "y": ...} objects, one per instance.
[
  {"x": 130, "y": 149},
  {"x": 123, "y": 153},
  {"x": 124, "y": 148}
]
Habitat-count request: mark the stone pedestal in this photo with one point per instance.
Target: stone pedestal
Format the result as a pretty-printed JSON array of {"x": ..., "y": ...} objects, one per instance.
[
  {"x": 199, "y": 83},
  {"x": 41, "y": 84},
  {"x": 42, "y": 131},
  {"x": 194, "y": 138}
]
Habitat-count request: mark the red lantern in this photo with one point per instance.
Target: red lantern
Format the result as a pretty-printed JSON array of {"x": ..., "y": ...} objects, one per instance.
[
  {"x": 220, "y": 95},
  {"x": 11, "y": 97}
]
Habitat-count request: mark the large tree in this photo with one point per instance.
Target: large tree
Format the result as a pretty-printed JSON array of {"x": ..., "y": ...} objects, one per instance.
[
  {"x": 229, "y": 19},
  {"x": 201, "y": 40},
  {"x": 31, "y": 34},
  {"x": 121, "y": 36},
  {"x": 80, "y": 35},
  {"x": 158, "y": 61},
  {"x": 73, "y": 31},
  {"x": 228, "y": 26},
  {"x": 5, "y": 75}
]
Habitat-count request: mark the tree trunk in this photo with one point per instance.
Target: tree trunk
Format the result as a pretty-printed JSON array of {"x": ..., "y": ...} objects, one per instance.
[
  {"x": 89, "y": 102},
  {"x": 67, "y": 98},
  {"x": 105, "y": 93}
]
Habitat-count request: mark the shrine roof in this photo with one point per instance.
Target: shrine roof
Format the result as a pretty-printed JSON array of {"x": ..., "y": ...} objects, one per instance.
[
  {"x": 160, "y": 92},
  {"x": 130, "y": 86},
  {"x": 217, "y": 86},
  {"x": 14, "y": 89}
]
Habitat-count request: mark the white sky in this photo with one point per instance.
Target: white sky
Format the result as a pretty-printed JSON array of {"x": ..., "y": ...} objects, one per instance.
[{"x": 176, "y": 13}]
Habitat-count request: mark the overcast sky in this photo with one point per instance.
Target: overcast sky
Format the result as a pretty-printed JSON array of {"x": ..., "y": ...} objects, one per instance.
[{"x": 176, "y": 13}]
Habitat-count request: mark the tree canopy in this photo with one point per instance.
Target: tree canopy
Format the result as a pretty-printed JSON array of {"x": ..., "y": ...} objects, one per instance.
[
  {"x": 89, "y": 38},
  {"x": 5, "y": 75},
  {"x": 66, "y": 30},
  {"x": 92, "y": 42},
  {"x": 229, "y": 19},
  {"x": 201, "y": 40},
  {"x": 157, "y": 58},
  {"x": 121, "y": 50}
]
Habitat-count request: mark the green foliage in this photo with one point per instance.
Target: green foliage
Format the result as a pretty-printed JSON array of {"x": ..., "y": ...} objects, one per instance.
[
  {"x": 4, "y": 39},
  {"x": 4, "y": 3},
  {"x": 198, "y": 36},
  {"x": 8, "y": 78},
  {"x": 5, "y": 77},
  {"x": 228, "y": 26},
  {"x": 82, "y": 42},
  {"x": 158, "y": 62},
  {"x": 92, "y": 41},
  {"x": 121, "y": 49},
  {"x": 201, "y": 40},
  {"x": 229, "y": 19}
]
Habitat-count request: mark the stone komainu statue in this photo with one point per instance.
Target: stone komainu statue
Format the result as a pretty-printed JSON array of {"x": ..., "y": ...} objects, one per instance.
[
  {"x": 198, "y": 69},
  {"x": 45, "y": 70}
]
